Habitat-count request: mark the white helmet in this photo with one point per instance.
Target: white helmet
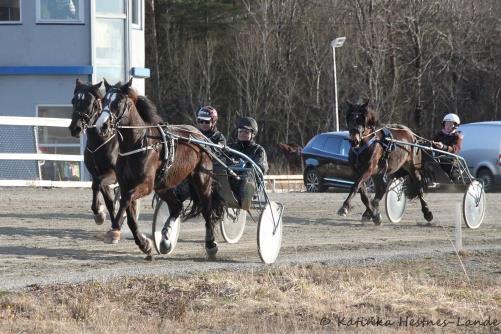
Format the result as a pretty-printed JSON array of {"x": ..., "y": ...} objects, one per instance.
[{"x": 452, "y": 118}]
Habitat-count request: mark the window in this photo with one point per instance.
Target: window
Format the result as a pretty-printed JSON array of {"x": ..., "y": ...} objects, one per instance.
[
  {"x": 10, "y": 11},
  {"x": 318, "y": 142},
  {"x": 57, "y": 140},
  {"x": 110, "y": 7},
  {"x": 110, "y": 50},
  {"x": 110, "y": 40},
  {"x": 332, "y": 145},
  {"x": 60, "y": 11},
  {"x": 345, "y": 147},
  {"x": 135, "y": 14}
]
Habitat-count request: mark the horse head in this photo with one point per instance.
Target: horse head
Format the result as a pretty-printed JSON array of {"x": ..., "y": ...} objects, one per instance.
[
  {"x": 360, "y": 120},
  {"x": 86, "y": 103},
  {"x": 116, "y": 105}
]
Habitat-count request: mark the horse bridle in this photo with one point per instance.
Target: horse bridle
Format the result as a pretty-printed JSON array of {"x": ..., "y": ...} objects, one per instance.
[
  {"x": 115, "y": 120},
  {"x": 85, "y": 118}
]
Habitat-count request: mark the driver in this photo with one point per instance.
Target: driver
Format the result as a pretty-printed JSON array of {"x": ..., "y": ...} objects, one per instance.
[
  {"x": 206, "y": 120},
  {"x": 246, "y": 132},
  {"x": 449, "y": 139}
]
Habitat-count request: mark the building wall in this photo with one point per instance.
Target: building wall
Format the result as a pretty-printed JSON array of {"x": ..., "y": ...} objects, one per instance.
[
  {"x": 20, "y": 94},
  {"x": 36, "y": 44},
  {"x": 32, "y": 44}
]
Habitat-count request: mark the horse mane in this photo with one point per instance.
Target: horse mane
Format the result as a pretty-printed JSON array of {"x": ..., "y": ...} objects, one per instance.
[
  {"x": 147, "y": 110},
  {"x": 372, "y": 118}
]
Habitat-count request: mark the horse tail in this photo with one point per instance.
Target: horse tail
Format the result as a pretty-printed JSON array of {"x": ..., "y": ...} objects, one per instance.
[
  {"x": 216, "y": 207},
  {"x": 196, "y": 207},
  {"x": 419, "y": 183}
]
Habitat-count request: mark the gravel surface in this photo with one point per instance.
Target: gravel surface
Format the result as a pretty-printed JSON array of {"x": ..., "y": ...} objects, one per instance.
[{"x": 49, "y": 236}]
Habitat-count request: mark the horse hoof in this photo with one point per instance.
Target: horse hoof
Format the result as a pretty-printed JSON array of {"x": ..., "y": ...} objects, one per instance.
[
  {"x": 377, "y": 219},
  {"x": 165, "y": 246},
  {"x": 100, "y": 218},
  {"x": 112, "y": 237},
  {"x": 342, "y": 212},
  {"x": 366, "y": 217},
  {"x": 211, "y": 251},
  {"x": 148, "y": 247},
  {"x": 149, "y": 257},
  {"x": 428, "y": 216}
]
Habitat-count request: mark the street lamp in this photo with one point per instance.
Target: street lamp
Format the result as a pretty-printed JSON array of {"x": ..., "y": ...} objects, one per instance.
[{"x": 336, "y": 43}]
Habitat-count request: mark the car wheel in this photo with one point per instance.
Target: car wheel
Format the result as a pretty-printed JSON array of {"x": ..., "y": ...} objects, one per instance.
[
  {"x": 487, "y": 178},
  {"x": 313, "y": 181}
]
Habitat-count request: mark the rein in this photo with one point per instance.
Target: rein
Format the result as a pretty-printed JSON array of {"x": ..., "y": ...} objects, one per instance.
[
  {"x": 359, "y": 150},
  {"x": 104, "y": 143}
]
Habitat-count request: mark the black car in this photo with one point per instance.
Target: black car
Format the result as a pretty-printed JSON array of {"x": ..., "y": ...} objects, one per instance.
[{"x": 326, "y": 162}]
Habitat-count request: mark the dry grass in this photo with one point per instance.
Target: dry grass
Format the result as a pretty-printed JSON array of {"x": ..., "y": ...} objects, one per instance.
[{"x": 278, "y": 300}]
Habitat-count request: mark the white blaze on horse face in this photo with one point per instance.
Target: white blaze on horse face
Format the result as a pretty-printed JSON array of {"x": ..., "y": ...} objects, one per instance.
[{"x": 110, "y": 97}]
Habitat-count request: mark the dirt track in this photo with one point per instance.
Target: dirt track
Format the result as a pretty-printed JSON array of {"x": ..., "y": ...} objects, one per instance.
[{"x": 48, "y": 235}]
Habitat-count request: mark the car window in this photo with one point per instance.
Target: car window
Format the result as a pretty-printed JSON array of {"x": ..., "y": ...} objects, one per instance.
[
  {"x": 333, "y": 145},
  {"x": 345, "y": 147},
  {"x": 318, "y": 142}
]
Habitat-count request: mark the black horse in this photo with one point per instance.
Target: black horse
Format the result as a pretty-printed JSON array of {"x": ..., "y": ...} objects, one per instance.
[
  {"x": 373, "y": 156},
  {"x": 154, "y": 156},
  {"x": 100, "y": 153}
]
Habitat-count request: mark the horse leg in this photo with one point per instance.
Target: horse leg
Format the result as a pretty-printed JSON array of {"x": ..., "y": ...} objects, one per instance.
[
  {"x": 203, "y": 185},
  {"x": 143, "y": 242},
  {"x": 343, "y": 211},
  {"x": 175, "y": 208},
  {"x": 428, "y": 215},
  {"x": 97, "y": 207},
  {"x": 128, "y": 201},
  {"x": 380, "y": 189},
  {"x": 367, "y": 215},
  {"x": 108, "y": 195}
]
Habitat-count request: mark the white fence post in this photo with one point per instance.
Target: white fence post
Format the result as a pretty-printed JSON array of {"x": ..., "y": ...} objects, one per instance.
[{"x": 459, "y": 236}]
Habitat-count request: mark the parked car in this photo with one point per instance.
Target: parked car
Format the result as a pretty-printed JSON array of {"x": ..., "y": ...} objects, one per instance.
[
  {"x": 482, "y": 151},
  {"x": 326, "y": 162}
]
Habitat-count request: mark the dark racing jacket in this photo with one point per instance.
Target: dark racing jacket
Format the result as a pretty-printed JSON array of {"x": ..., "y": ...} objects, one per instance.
[
  {"x": 254, "y": 151},
  {"x": 451, "y": 141},
  {"x": 215, "y": 136}
]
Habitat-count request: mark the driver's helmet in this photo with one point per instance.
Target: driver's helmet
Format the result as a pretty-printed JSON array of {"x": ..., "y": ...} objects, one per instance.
[
  {"x": 207, "y": 113},
  {"x": 452, "y": 118},
  {"x": 248, "y": 123}
]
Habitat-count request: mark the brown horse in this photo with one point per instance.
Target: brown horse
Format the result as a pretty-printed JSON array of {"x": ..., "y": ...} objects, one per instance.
[
  {"x": 292, "y": 153},
  {"x": 153, "y": 157},
  {"x": 100, "y": 154},
  {"x": 373, "y": 156}
]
